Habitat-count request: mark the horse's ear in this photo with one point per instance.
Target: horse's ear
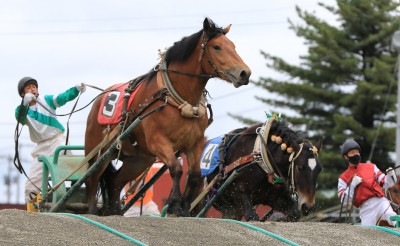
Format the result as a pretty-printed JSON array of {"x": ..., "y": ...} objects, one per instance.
[
  {"x": 319, "y": 145},
  {"x": 208, "y": 25},
  {"x": 226, "y": 29}
]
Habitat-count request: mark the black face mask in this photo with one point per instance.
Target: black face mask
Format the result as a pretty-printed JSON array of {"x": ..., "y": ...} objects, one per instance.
[{"x": 355, "y": 159}]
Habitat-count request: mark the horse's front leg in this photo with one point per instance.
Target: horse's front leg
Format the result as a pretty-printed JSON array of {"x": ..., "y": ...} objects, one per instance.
[
  {"x": 175, "y": 198},
  {"x": 288, "y": 206},
  {"x": 293, "y": 215},
  {"x": 166, "y": 154},
  {"x": 249, "y": 212},
  {"x": 194, "y": 182}
]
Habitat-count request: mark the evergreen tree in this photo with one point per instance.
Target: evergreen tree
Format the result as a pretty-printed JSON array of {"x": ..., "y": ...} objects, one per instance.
[{"x": 345, "y": 86}]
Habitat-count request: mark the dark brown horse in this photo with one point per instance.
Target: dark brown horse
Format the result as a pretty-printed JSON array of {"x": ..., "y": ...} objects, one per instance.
[
  {"x": 286, "y": 156},
  {"x": 175, "y": 89}
]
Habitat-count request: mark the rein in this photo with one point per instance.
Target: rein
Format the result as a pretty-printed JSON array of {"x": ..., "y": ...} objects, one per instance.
[
  {"x": 87, "y": 105},
  {"x": 292, "y": 158},
  {"x": 206, "y": 76}
]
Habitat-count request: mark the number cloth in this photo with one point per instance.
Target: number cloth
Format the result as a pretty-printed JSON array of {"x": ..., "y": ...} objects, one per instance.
[
  {"x": 210, "y": 157},
  {"x": 110, "y": 111}
]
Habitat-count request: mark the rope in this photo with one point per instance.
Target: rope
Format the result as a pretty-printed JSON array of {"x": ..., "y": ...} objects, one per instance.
[
  {"x": 17, "y": 133},
  {"x": 75, "y": 111},
  {"x": 69, "y": 117}
]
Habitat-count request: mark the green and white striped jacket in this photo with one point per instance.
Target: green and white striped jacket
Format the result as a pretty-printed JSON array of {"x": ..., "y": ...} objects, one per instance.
[{"x": 42, "y": 124}]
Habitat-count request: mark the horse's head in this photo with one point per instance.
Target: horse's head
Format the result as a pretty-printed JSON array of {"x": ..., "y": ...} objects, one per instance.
[
  {"x": 297, "y": 161},
  {"x": 393, "y": 195},
  {"x": 219, "y": 56},
  {"x": 306, "y": 171}
]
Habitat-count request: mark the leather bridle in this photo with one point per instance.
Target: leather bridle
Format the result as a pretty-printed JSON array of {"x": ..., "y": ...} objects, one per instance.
[{"x": 203, "y": 49}]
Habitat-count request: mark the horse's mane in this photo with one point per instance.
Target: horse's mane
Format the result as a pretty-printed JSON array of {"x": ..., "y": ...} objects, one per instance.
[
  {"x": 278, "y": 128},
  {"x": 281, "y": 128},
  {"x": 183, "y": 49}
]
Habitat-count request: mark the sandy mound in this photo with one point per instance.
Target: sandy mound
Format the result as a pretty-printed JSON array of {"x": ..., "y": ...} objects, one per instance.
[{"x": 19, "y": 227}]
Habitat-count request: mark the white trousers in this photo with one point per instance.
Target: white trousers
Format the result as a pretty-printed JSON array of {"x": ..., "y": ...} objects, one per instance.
[
  {"x": 374, "y": 209},
  {"x": 149, "y": 209},
  {"x": 33, "y": 185}
]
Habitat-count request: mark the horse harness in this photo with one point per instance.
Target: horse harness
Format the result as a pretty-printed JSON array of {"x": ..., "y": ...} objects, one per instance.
[
  {"x": 260, "y": 157},
  {"x": 174, "y": 99}
]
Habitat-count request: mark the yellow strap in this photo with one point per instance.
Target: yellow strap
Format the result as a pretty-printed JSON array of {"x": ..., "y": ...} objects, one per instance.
[
  {"x": 133, "y": 187},
  {"x": 204, "y": 192}
]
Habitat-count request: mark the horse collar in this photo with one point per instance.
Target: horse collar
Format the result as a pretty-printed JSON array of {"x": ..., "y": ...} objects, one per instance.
[
  {"x": 260, "y": 146},
  {"x": 174, "y": 99}
]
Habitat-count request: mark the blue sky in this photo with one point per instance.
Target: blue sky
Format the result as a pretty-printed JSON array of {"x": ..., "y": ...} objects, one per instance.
[{"x": 102, "y": 43}]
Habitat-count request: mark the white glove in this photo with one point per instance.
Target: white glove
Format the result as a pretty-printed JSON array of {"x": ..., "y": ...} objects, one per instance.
[
  {"x": 356, "y": 181},
  {"x": 81, "y": 87},
  {"x": 390, "y": 172},
  {"x": 28, "y": 98},
  {"x": 390, "y": 179},
  {"x": 345, "y": 196}
]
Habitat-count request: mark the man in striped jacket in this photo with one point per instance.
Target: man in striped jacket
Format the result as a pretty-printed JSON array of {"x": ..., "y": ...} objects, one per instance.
[
  {"x": 362, "y": 184},
  {"x": 39, "y": 114}
]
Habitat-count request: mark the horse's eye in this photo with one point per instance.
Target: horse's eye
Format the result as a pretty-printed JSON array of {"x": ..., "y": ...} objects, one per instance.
[{"x": 216, "y": 47}]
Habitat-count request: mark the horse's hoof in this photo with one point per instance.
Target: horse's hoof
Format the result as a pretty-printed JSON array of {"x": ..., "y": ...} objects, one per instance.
[
  {"x": 278, "y": 217},
  {"x": 104, "y": 212},
  {"x": 186, "y": 213},
  {"x": 174, "y": 209}
]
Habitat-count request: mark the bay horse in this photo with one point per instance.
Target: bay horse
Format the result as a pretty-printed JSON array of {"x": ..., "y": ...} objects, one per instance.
[
  {"x": 393, "y": 195},
  {"x": 286, "y": 156},
  {"x": 170, "y": 100}
]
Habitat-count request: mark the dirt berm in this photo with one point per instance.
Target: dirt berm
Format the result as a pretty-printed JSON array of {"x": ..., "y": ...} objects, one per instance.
[{"x": 19, "y": 227}]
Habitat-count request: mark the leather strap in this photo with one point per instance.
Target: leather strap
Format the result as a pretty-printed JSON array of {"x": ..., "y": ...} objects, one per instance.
[{"x": 239, "y": 162}]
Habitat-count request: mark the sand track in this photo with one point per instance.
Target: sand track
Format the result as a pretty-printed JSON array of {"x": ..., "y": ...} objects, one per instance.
[{"x": 19, "y": 227}]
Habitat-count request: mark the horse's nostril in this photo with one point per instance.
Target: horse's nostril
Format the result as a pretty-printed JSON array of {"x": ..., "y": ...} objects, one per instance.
[{"x": 244, "y": 74}]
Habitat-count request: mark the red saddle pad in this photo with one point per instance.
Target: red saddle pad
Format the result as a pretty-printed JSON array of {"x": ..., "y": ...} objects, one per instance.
[{"x": 112, "y": 102}]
